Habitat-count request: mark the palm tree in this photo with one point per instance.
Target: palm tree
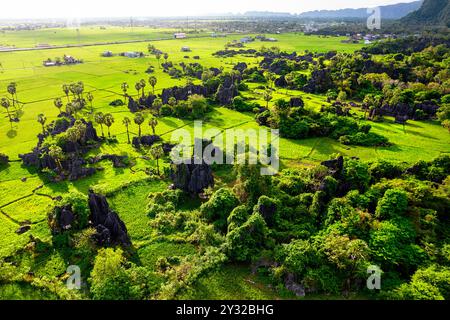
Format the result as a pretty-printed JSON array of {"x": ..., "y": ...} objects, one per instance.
[
  {"x": 108, "y": 120},
  {"x": 158, "y": 57},
  {"x": 66, "y": 90},
  {"x": 12, "y": 90},
  {"x": 270, "y": 77},
  {"x": 126, "y": 122},
  {"x": 100, "y": 119},
  {"x": 143, "y": 84},
  {"x": 267, "y": 97},
  {"x": 76, "y": 133},
  {"x": 172, "y": 101},
  {"x": 42, "y": 119},
  {"x": 166, "y": 56},
  {"x": 157, "y": 105},
  {"x": 71, "y": 108},
  {"x": 151, "y": 48},
  {"x": 6, "y": 104},
  {"x": 57, "y": 154},
  {"x": 153, "y": 123},
  {"x": 289, "y": 80},
  {"x": 139, "y": 120},
  {"x": 58, "y": 103},
  {"x": 156, "y": 153},
  {"x": 90, "y": 98},
  {"x": 138, "y": 87},
  {"x": 153, "y": 81},
  {"x": 124, "y": 87}
]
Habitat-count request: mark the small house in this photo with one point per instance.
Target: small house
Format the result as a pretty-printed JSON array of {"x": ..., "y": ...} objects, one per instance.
[
  {"x": 132, "y": 54},
  {"x": 185, "y": 49},
  {"x": 107, "y": 54},
  {"x": 246, "y": 40},
  {"x": 49, "y": 63},
  {"x": 180, "y": 35}
]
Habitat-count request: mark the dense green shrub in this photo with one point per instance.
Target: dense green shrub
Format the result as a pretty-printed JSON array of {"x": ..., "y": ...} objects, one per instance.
[
  {"x": 219, "y": 207},
  {"x": 393, "y": 204},
  {"x": 246, "y": 241}
]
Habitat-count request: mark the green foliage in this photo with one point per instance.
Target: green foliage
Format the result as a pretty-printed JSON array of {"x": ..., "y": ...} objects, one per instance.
[
  {"x": 246, "y": 241},
  {"x": 219, "y": 207},
  {"x": 112, "y": 278},
  {"x": 356, "y": 174},
  {"x": 238, "y": 217},
  {"x": 393, "y": 204},
  {"x": 109, "y": 279},
  {"x": 77, "y": 202}
]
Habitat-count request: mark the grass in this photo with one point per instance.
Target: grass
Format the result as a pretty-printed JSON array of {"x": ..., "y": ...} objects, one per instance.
[{"x": 232, "y": 282}]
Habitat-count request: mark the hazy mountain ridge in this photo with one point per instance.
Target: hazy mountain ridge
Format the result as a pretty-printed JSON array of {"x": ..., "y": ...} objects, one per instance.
[{"x": 395, "y": 11}]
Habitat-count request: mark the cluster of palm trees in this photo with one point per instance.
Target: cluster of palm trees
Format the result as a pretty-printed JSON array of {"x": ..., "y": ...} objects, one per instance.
[
  {"x": 140, "y": 87},
  {"x": 108, "y": 120},
  {"x": 13, "y": 102},
  {"x": 158, "y": 54},
  {"x": 76, "y": 99}
]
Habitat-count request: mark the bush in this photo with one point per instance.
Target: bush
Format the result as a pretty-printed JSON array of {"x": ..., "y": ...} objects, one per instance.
[
  {"x": 356, "y": 174},
  {"x": 219, "y": 207},
  {"x": 393, "y": 204},
  {"x": 246, "y": 241},
  {"x": 3, "y": 159},
  {"x": 239, "y": 104},
  {"x": 384, "y": 169},
  {"x": 238, "y": 217},
  {"x": 109, "y": 279},
  {"x": 116, "y": 103},
  {"x": 269, "y": 209},
  {"x": 166, "y": 111}
]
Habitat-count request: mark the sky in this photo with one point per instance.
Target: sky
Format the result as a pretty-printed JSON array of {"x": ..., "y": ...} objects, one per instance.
[{"x": 151, "y": 8}]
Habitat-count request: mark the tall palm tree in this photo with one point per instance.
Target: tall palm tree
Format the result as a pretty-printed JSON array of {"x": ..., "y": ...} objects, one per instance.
[
  {"x": 156, "y": 153},
  {"x": 151, "y": 48},
  {"x": 71, "y": 108},
  {"x": 157, "y": 105},
  {"x": 158, "y": 57},
  {"x": 57, "y": 154},
  {"x": 90, "y": 98},
  {"x": 143, "y": 84},
  {"x": 12, "y": 90},
  {"x": 66, "y": 90},
  {"x": 139, "y": 120},
  {"x": 153, "y": 81},
  {"x": 138, "y": 87},
  {"x": 267, "y": 96},
  {"x": 41, "y": 118},
  {"x": 124, "y": 87},
  {"x": 99, "y": 119},
  {"x": 58, "y": 103},
  {"x": 6, "y": 104},
  {"x": 108, "y": 120},
  {"x": 153, "y": 123},
  {"x": 126, "y": 122}
]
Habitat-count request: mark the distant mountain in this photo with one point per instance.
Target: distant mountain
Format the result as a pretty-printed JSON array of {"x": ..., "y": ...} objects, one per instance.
[
  {"x": 267, "y": 14},
  {"x": 432, "y": 12},
  {"x": 394, "y": 11}
]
